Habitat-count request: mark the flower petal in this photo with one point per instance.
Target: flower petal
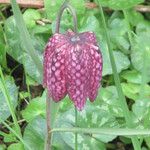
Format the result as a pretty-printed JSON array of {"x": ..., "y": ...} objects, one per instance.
[
  {"x": 53, "y": 66},
  {"x": 96, "y": 72},
  {"x": 77, "y": 75},
  {"x": 57, "y": 79}
]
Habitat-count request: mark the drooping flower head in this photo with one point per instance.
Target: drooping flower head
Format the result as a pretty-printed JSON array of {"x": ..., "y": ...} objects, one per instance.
[{"x": 73, "y": 66}]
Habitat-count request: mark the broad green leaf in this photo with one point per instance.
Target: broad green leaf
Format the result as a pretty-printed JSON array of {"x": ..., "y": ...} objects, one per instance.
[
  {"x": 36, "y": 108},
  {"x": 141, "y": 109},
  {"x": 120, "y": 4},
  {"x": 108, "y": 100},
  {"x": 16, "y": 146},
  {"x": 143, "y": 27},
  {"x": 13, "y": 92},
  {"x": 132, "y": 90},
  {"x": 132, "y": 76},
  {"x": 135, "y": 17},
  {"x": 8, "y": 138},
  {"x": 17, "y": 50},
  {"x": 118, "y": 33},
  {"x": 42, "y": 34},
  {"x": 91, "y": 116},
  {"x": 141, "y": 47},
  {"x": 25, "y": 38},
  {"x": 91, "y": 24},
  {"x": 122, "y": 61},
  {"x": 30, "y": 17},
  {"x": 147, "y": 140},
  {"x": 34, "y": 134}
]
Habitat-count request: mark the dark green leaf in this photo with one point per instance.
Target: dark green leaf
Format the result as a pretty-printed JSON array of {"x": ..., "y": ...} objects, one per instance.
[
  {"x": 132, "y": 76},
  {"x": 30, "y": 17},
  {"x": 36, "y": 108},
  {"x": 13, "y": 92},
  {"x": 34, "y": 134},
  {"x": 16, "y": 146},
  {"x": 120, "y": 4}
]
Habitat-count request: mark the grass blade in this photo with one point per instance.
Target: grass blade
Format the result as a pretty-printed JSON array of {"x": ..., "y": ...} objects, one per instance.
[
  {"x": 17, "y": 135},
  {"x": 122, "y": 99},
  {"x": 106, "y": 131},
  {"x": 25, "y": 37},
  {"x": 8, "y": 100}
]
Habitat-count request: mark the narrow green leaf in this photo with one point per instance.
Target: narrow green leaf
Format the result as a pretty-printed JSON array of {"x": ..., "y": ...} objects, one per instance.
[
  {"x": 17, "y": 135},
  {"x": 107, "y": 131},
  {"x": 25, "y": 37}
]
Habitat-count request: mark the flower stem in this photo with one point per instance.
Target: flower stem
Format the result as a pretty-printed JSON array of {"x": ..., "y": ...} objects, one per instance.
[
  {"x": 122, "y": 99},
  {"x": 63, "y": 7},
  {"x": 48, "y": 137},
  {"x": 76, "y": 125}
]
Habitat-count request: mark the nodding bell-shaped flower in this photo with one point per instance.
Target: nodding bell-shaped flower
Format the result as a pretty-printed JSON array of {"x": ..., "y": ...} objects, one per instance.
[{"x": 72, "y": 65}]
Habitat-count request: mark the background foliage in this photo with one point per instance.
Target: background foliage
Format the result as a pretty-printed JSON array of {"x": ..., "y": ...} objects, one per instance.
[{"x": 129, "y": 31}]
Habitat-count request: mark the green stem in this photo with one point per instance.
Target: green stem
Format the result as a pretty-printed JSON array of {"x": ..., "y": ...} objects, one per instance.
[
  {"x": 48, "y": 123},
  {"x": 76, "y": 125},
  {"x": 122, "y": 99},
  {"x": 63, "y": 7},
  {"x": 9, "y": 103},
  {"x": 106, "y": 131}
]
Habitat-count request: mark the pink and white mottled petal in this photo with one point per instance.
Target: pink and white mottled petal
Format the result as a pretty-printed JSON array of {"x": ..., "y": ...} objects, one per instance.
[
  {"x": 53, "y": 46},
  {"x": 96, "y": 72},
  {"x": 59, "y": 40},
  {"x": 57, "y": 80},
  {"x": 77, "y": 73},
  {"x": 88, "y": 37},
  {"x": 48, "y": 53}
]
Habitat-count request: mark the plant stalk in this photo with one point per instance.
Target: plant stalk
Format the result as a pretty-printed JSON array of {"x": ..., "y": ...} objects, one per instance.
[
  {"x": 76, "y": 125},
  {"x": 63, "y": 7},
  {"x": 48, "y": 124}
]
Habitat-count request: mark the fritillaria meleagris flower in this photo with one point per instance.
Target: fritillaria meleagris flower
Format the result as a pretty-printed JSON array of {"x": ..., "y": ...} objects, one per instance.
[{"x": 73, "y": 66}]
